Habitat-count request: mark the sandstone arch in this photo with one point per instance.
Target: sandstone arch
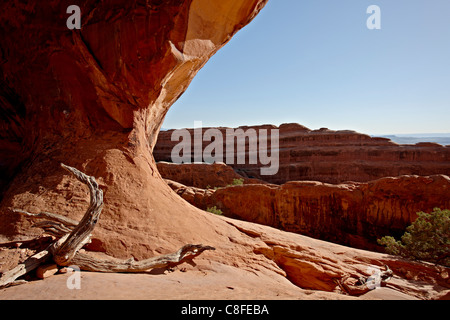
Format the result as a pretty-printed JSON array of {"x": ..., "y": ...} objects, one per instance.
[{"x": 95, "y": 99}]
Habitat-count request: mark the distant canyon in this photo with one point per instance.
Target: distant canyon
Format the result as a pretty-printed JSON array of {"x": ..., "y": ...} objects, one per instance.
[
  {"x": 334, "y": 156},
  {"x": 339, "y": 186}
]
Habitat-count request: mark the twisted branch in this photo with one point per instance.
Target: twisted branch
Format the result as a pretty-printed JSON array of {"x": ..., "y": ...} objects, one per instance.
[
  {"x": 73, "y": 236},
  {"x": 186, "y": 253}
]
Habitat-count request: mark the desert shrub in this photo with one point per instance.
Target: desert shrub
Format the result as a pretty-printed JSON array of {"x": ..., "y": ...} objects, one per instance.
[
  {"x": 427, "y": 238},
  {"x": 215, "y": 210},
  {"x": 238, "y": 182}
]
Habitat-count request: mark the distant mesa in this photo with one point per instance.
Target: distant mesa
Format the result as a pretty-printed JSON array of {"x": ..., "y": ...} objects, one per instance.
[
  {"x": 339, "y": 186},
  {"x": 439, "y": 138},
  {"x": 335, "y": 156}
]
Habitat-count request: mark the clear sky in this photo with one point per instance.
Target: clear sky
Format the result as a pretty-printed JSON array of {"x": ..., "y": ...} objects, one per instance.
[{"x": 316, "y": 63}]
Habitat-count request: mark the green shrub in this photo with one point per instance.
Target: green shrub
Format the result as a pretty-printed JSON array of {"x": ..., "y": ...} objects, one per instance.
[
  {"x": 427, "y": 238},
  {"x": 215, "y": 210},
  {"x": 238, "y": 182}
]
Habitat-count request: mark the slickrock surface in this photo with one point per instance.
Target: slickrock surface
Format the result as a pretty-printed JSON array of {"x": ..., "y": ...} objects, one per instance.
[
  {"x": 254, "y": 262},
  {"x": 332, "y": 156}
]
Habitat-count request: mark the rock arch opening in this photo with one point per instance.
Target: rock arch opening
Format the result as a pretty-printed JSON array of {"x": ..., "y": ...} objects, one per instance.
[{"x": 95, "y": 99}]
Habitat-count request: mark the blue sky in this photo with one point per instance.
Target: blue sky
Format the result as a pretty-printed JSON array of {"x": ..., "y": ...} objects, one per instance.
[{"x": 316, "y": 63}]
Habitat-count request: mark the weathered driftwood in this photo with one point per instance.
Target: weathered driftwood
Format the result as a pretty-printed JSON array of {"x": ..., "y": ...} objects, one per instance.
[
  {"x": 9, "y": 278},
  {"x": 67, "y": 222},
  {"x": 363, "y": 285},
  {"x": 72, "y": 236},
  {"x": 40, "y": 242},
  {"x": 188, "y": 252},
  {"x": 67, "y": 247}
]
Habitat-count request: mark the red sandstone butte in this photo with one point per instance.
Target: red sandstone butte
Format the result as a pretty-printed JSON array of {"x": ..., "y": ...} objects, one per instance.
[{"x": 333, "y": 156}]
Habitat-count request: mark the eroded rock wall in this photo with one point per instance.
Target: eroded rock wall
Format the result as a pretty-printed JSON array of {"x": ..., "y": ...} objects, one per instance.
[
  {"x": 203, "y": 175},
  {"x": 353, "y": 214},
  {"x": 332, "y": 156},
  {"x": 95, "y": 99}
]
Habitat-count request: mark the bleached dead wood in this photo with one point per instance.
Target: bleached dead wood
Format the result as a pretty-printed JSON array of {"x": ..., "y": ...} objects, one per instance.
[
  {"x": 67, "y": 247},
  {"x": 9, "y": 278},
  {"x": 73, "y": 236},
  {"x": 363, "y": 285},
  {"x": 67, "y": 222},
  {"x": 186, "y": 253}
]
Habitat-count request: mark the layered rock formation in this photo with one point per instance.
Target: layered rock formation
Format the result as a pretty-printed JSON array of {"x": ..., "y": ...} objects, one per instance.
[
  {"x": 202, "y": 175},
  {"x": 262, "y": 263},
  {"x": 353, "y": 214},
  {"x": 95, "y": 100},
  {"x": 332, "y": 156}
]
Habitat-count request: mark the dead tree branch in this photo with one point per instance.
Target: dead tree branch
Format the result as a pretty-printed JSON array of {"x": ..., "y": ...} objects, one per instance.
[
  {"x": 67, "y": 222},
  {"x": 364, "y": 284},
  {"x": 67, "y": 247},
  {"x": 72, "y": 236},
  {"x": 8, "y": 278},
  {"x": 187, "y": 253}
]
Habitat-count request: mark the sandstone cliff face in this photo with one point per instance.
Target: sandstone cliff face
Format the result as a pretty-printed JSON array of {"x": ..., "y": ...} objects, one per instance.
[
  {"x": 353, "y": 214},
  {"x": 334, "y": 156},
  {"x": 203, "y": 175},
  {"x": 95, "y": 99}
]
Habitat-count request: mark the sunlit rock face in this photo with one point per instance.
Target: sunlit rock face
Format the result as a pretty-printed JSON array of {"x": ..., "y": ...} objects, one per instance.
[
  {"x": 354, "y": 213},
  {"x": 330, "y": 156},
  {"x": 95, "y": 99}
]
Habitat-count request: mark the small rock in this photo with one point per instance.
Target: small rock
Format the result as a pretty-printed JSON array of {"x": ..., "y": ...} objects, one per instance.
[
  {"x": 64, "y": 270},
  {"x": 46, "y": 271}
]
